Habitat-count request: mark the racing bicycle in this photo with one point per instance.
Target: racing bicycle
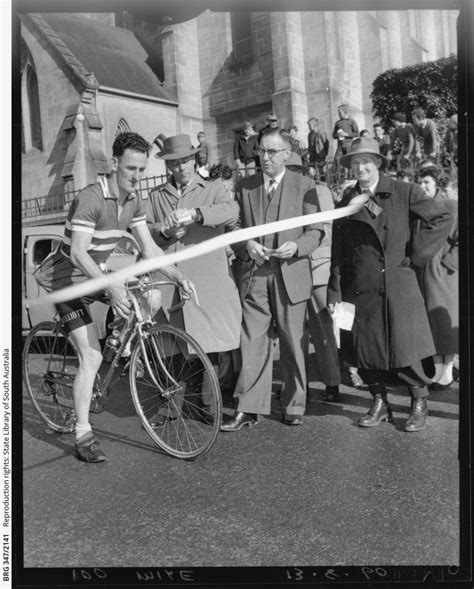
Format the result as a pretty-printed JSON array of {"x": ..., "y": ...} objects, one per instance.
[{"x": 167, "y": 369}]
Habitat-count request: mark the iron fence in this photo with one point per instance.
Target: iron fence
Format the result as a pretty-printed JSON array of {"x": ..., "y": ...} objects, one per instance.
[{"x": 59, "y": 203}]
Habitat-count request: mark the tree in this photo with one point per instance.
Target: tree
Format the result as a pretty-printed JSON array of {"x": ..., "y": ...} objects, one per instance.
[{"x": 431, "y": 85}]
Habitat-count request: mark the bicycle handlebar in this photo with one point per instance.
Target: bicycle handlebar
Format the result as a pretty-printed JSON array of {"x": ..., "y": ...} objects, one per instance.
[{"x": 145, "y": 283}]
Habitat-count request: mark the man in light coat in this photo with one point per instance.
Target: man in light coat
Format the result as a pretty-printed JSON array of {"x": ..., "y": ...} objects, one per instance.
[
  {"x": 373, "y": 260},
  {"x": 187, "y": 210}
]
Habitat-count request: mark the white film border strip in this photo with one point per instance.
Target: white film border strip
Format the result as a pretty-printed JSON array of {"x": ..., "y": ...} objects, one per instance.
[{"x": 95, "y": 284}]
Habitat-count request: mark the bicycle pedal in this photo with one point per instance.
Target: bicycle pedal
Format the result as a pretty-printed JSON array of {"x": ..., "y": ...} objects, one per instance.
[{"x": 96, "y": 406}]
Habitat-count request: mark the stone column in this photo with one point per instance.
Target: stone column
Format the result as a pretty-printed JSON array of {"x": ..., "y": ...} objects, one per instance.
[
  {"x": 289, "y": 97},
  {"x": 181, "y": 66},
  {"x": 395, "y": 36}
]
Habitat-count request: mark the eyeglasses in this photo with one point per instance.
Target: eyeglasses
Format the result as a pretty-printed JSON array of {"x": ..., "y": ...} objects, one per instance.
[{"x": 270, "y": 152}]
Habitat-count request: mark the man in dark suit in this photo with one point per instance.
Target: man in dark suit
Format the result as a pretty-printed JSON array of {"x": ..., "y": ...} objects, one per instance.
[{"x": 275, "y": 284}]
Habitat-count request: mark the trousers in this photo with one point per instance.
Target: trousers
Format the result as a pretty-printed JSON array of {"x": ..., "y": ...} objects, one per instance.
[{"x": 265, "y": 303}]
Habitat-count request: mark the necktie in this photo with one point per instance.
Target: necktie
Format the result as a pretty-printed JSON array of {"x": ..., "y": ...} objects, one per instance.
[
  {"x": 271, "y": 188},
  {"x": 371, "y": 205}
]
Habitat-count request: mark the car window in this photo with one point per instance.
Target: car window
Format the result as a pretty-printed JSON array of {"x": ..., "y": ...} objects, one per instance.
[
  {"x": 126, "y": 245},
  {"x": 42, "y": 248}
]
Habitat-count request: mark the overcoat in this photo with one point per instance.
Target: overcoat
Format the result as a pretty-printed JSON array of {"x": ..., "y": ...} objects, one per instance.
[
  {"x": 300, "y": 199},
  {"x": 215, "y": 323},
  {"x": 439, "y": 285},
  {"x": 373, "y": 262}
]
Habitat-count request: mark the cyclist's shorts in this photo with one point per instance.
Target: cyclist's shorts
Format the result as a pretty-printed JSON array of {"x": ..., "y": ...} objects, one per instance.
[{"x": 75, "y": 313}]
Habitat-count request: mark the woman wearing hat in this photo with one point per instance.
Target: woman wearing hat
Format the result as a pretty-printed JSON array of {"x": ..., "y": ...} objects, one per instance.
[
  {"x": 439, "y": 285},
  {"x": 185, "y": 211},
  {"x": 373, "y": 259}
]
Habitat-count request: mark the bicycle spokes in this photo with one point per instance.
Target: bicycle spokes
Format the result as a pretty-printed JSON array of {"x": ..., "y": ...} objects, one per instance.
[{"x": 177, "y": 397}]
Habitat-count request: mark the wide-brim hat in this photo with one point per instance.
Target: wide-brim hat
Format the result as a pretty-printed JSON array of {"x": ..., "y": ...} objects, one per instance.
[
  {"x": 363, "y": 145},
  {"x": 272, "y": 117},
  {"x": 177, "y": 147}
]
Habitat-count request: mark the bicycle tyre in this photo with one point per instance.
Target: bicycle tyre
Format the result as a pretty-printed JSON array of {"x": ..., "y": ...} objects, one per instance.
[
  {"x": 49, "y": 367},
  {"x": 173, "y": 413}
]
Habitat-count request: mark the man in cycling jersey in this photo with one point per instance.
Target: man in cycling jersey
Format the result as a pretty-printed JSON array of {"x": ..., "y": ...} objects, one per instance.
[{"x": 97, "y": 219}]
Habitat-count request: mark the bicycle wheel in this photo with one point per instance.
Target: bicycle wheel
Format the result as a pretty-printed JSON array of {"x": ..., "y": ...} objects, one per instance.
[
  {"x": 49, "y": 367},
  {"x": 176, "y": 392}
]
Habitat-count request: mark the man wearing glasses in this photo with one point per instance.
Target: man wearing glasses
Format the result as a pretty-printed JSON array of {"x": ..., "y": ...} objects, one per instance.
[{"x": 275, "y": 284}]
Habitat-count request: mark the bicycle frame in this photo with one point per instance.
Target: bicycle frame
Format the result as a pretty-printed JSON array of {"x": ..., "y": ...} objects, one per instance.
[{"x": 136, "y": 324}]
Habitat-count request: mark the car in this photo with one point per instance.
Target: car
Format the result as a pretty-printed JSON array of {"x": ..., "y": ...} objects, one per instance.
[{"x": 38, "y": 242}]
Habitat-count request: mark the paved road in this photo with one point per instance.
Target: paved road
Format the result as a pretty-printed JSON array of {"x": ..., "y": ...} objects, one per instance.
[{"x": 325, "y": 494}]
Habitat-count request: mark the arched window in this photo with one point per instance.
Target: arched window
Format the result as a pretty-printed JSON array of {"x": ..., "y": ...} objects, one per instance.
[
  {"x": 32, "y": 136},
  {"x": 122, "y": 127},
  {"x": 241, "y": 28}
]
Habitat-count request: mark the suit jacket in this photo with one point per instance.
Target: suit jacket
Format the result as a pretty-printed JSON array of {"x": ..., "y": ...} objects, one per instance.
[{"x": 298, "y": 197}]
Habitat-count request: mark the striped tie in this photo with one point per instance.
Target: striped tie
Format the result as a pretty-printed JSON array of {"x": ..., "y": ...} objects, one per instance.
[{"x": 271, "y": 189}]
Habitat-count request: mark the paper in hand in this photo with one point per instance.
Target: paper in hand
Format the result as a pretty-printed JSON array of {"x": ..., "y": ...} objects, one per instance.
[{"x": 343, "y": 315}]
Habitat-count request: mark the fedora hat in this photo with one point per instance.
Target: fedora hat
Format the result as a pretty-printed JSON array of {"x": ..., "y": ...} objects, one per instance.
[
  {"x": 295, "y": 161},
  {"x": 177, "y": 147},
  {"x": 272, "y": 117},
  {"x": 363, "y": 145}
]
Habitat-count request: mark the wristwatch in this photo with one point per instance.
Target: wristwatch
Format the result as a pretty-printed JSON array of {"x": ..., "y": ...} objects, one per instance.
[{"x": 199, "y": 218}]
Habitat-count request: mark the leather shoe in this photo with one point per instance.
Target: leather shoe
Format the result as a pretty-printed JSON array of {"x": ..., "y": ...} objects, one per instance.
[
  {"x": 292, "y": 419},
  {"x": 331, "y": 394},
  {"x": 238, "y": 420},
  {"x": 418, "y": 415},
  {"x": 380, "y": 411}
]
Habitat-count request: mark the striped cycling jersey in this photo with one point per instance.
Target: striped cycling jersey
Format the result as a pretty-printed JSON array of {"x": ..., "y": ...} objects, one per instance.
[{"x": 94, "y": 211}]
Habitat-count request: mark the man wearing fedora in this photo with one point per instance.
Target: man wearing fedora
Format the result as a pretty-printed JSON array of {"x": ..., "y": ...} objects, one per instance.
[
  {"x": 275, "y": 285},
  {"x": 184, "y": 211},
  {"x": 373, "y": 260}
]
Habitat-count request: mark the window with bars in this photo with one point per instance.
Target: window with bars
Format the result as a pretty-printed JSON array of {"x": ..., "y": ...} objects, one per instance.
[{"x": 241, "y": 35}]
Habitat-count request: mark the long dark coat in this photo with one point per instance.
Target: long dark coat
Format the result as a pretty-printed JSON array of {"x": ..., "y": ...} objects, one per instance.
[
  {"x": 373, "y": 262},
  {"x": 439, "y": 285}
]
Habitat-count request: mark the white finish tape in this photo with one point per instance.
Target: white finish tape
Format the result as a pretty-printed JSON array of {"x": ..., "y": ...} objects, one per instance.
[{"x": 95, "y": 284}]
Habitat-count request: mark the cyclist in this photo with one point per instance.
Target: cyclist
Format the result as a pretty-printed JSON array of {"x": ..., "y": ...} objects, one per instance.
[{"x": 97, "y": 219}]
